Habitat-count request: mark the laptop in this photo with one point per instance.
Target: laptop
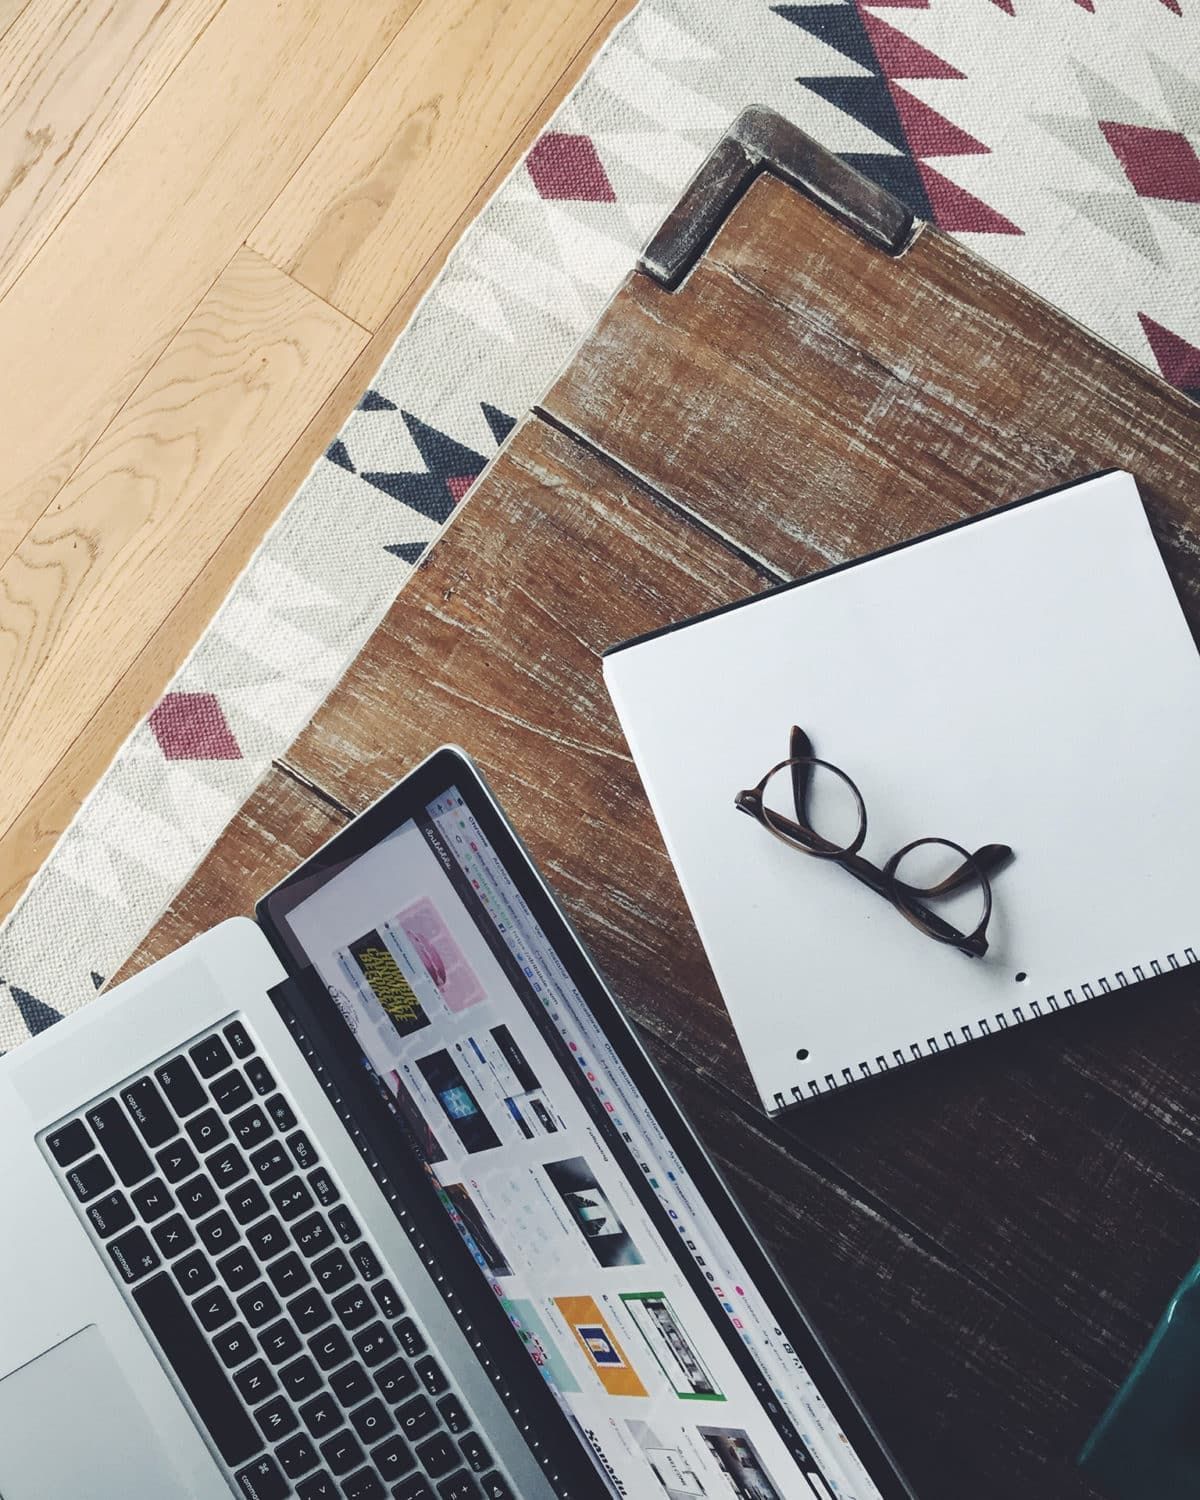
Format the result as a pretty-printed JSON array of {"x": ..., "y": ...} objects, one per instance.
[{"x": 378, "y": 1195}]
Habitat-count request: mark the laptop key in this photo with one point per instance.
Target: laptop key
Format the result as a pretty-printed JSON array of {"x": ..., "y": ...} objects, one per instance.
[
  {"x": 234, "y": 1345},
  {"x": 300, "y": 1378},
  {"x": 374, "y": 1344},
  {"x": 393, "y": 1458},
  {"x": 329, "y": 1348},
  {"x": 288, "y": 1274},
  {"x": 255, "y": 1382},
  {"x": 177, "y": 1161},
  {"x": 388, "y": 1300},
  {"x": 148, "y": 1111},
  {"x": 238, "y": 1269},
  {"x": 312, "y": 1235},
  {"x": 267, "y": 1238},
  {"x": 365, "y": 1485},
  {"x": 344, "y": 1222},
  {"x": 309, "y": 1310},
  {"x": 351, "y": 1384},
  {"x": 281, "y": 1112},
  {"x": 197, "y": 1369},
  {"x": 432, "y": 1376},
  {"x": 297, "y": 1456},
  {"x": 197, "y": 1197},
  {"x": 251, "y": 1128},
  {"x": 453, "y": 1414},
  {"x": 476, "y": 1454},
  {"x": 417, "y": 1419},
  {"x": 217, "y": 1232},
  {"x": 89, "y": 1178},
  {"x": 495, "y": 1487},
  {"x": 410, "y": 1338},
  {"x": 318, "y": 1487},
  {"x": 227, "y": 1166},
  {"x": 239, "y": 1039},
  {"x": 184, "y": 1091},
  {"x": 173, "y": 1236},
  {"x": 211, "y": 1056},
  {"x": 353, "y": 1307},
  {"x": 279, "y": 1342},
  {"x": 247, "y": 1203},
  {"x": 69, "y": 1142},
  {"x": 262, "y": 1480},
  {"x": 341, "y": 1452},
  {"x": 460, "y": 1486},
  {"x": 194, "y": 1273},
  {"x": 367, "y": 1262},
  {"x": 207, "y": 1130},
  {"x": 438, "y": 1455},
  {"x": 110, "y": 1214},
  {"x": 260, "y": 1076},
  {"x": 133, "y": 1255},
  {"x": 302, "y": 1149},
  {"x": 292, "y": 1199},
  {"x": 230, "y": 1092},
  {"x": 415, "y": 1488},
  {"x": 332, "y": 1271},
  {"x": 259, "y": 1305},
  {"x": 115, "y": 1137},
  {"x": 213, "y": 1308},
  {"x": 276, "y": 1419},
  {"x": 152, "y": 1200},
  {"x": 321, "y": 1415},
  {"x": 271, "y": 1162},
  {"x": 322, "y": 1185},
  {"x": 396, "y": 1380},
  {"x": 372, "y": 1420}
]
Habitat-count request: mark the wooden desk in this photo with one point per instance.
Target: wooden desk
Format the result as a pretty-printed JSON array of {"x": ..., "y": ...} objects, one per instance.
[{"x": 987, "y": 1237}]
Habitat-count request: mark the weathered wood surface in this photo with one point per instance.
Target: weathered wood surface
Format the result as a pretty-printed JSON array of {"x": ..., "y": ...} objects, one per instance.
[{"x": 985, "y": 1238}]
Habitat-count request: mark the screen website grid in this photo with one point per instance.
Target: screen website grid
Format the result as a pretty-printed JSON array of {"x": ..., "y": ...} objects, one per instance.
[{"x": 425, "y": 943}]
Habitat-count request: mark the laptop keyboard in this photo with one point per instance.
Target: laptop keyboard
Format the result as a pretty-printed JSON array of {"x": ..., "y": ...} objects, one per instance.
[{"x": 216, "y": 1216}]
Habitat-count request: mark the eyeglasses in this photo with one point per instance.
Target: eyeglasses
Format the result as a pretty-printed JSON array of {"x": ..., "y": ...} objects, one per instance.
[{"x": 794, "y": 776}]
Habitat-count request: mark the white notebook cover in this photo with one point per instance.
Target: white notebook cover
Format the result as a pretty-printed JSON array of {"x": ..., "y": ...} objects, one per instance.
[{"x": 1025, "y": 678}]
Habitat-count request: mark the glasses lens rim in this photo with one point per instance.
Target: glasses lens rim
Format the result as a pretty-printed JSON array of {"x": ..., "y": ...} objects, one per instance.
[
  {"x": 766, "y": 817},
  {"x": 903, "y": 893}
]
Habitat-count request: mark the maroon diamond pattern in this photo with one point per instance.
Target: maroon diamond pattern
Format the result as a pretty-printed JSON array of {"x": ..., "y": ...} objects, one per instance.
[
  {"x": 567, "y": 167},
  {"x": 1159, "y": 163},
  {"x": 192, "y": 726}
]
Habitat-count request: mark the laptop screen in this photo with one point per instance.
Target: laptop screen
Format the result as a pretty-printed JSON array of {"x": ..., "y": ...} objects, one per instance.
[{"x": 571, "y": 1200}]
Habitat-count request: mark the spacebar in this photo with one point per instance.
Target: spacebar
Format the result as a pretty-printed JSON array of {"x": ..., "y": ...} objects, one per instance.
[{"x": 197, "y": 1370}]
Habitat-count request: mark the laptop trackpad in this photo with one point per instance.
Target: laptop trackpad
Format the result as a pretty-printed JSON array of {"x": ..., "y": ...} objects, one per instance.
[{"x": 72, "y": 1426}]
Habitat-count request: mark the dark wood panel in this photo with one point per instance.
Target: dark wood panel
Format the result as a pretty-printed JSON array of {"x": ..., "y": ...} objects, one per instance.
[
  {"x": 494, "y": 643},
  {"x": 279, "y": 826},
  {"x": 815, "y": 399}
]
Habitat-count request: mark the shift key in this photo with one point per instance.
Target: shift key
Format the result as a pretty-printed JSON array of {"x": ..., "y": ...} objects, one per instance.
[{"x": 115, "y": 1137}]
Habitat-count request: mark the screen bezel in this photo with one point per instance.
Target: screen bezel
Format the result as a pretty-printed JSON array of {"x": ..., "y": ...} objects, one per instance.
[{"x": 449, "y": 766}]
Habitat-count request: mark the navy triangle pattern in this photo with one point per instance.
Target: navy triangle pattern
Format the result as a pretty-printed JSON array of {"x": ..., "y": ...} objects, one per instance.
[
  {"x": 499, "y": 421},
  {"x": 97, "y": 980},
  {"x": 36, "y": 1014},
  {"x": 448, "y": 465},
  {"x": 373, "y": 401},
  {"x": 409, "y": 552},
  {"x": 866, "y": 100},
  {"x": 338, "y": 453}
]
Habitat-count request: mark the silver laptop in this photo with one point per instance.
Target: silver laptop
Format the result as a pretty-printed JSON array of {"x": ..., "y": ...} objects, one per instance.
[{"x": 379, "y": 1196}]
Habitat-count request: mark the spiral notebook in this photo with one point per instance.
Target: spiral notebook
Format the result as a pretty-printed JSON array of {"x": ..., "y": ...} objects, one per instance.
[{"x": 1026, "y": 678}]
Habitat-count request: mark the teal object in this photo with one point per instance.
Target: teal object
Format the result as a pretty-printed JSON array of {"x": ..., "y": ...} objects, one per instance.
[{"x": 1148, "y": 1442}]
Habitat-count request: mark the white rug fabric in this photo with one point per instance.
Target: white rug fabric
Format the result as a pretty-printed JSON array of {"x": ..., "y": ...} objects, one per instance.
[{"x": 1057, "y": 138}]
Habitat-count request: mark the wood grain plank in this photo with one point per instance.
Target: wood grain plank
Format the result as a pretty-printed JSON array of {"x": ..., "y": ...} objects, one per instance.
[
  {"x": 153, "y": 500},
  {"x": 843, "y": 1258},
  {"x": 139, "y": 248},
  {"x": 10, "y": 11},
  {"x": 278, "y": 827},
  {"x": 368, "y": 206},
  {"x": 815, "y": 400},
  {"x": 76, "y": 77},
  {"x": 32, "y": 834}
]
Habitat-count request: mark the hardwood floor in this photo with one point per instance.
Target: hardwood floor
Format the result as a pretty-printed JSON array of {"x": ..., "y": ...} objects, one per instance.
[{"x": 215, "y": 218}]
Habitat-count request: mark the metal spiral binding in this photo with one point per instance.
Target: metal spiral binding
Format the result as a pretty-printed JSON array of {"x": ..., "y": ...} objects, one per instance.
[
  {"x": 409, "y": 1224},
  {"x": 985, "y": 1026}
]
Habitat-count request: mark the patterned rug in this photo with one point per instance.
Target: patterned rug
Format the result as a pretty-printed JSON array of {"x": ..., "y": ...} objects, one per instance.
[{"x": 1056, "y": 137}]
